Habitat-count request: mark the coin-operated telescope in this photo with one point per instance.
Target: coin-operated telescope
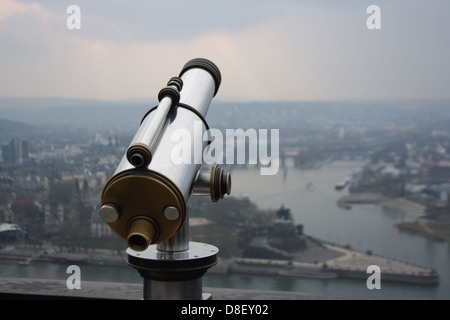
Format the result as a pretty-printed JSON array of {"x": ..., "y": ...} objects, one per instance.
[{"x": 146, "y": 200}]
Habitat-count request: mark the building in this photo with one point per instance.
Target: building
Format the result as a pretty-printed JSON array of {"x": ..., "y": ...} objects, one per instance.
[
  {"x": 11, "y": 233},
  {"x": 53, "y": 217},
  {"x": 15, "y": 151}
]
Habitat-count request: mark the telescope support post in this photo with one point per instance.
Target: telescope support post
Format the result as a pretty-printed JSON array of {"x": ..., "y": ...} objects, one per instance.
[
  {"x": 179, "y": 241},
  {"x": 174, "y": 290},
  {"x": 174, "y": 269}
]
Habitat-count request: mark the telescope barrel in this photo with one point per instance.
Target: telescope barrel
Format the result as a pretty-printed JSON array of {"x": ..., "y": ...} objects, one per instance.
[
  {"x": 145, "y": 201},
  {"x": 141, "y": 149}
]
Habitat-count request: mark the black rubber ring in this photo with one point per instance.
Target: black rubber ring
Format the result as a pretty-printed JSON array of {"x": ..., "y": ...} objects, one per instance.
[
  {"x": 169, "y": 91},
  {"x": 206, "y": 65},
  {"x": 176, "y": 82},
  {"x": 187, "y": 107},
  {"x": 217, "y": 184}
]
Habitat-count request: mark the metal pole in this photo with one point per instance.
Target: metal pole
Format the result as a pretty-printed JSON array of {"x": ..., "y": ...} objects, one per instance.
[
  {"x": 179, "y": 241},
  {"x": 173, "y": 290},
  {"x": 174, "y": 275}
]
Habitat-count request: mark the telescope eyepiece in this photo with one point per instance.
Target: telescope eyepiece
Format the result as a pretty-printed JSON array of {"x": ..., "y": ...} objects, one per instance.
[
  {"x": 139, "y": 155},
  {"x": 137, "y": 159}
]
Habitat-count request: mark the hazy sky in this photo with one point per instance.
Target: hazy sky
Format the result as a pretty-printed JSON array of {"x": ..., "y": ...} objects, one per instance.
[{"x": 266, "y": 50}]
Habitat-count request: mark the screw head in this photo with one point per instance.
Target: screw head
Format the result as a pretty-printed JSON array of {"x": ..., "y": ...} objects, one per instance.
[
  {"x": 171, "y": 213},
  {"x": 110, "y": 212}
]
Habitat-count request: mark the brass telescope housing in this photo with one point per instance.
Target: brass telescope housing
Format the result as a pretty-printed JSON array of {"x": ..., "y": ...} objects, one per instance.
[
  {"x": 145, "y": 201},
  {"x": 143, "y": 197}
]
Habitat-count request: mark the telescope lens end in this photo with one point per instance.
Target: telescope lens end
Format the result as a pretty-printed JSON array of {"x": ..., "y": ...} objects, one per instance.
[
  {"x": 207, "y": 65},
  {"x": 141, "y": 234},
  {"x": 137, "y": 242}
]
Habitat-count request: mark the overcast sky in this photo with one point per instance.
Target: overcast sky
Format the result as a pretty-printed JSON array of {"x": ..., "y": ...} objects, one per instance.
[{"x": 266, "y": 50}]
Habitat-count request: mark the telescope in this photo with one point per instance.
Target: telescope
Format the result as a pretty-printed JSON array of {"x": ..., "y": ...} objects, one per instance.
[{"x": 146, "y": 200}]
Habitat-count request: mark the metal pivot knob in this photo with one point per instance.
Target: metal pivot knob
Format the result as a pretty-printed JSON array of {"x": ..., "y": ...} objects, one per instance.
[{"x": 215, "y": 182}]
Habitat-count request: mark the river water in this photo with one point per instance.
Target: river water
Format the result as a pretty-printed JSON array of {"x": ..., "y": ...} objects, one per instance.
[{"x": 311, "y": 196}]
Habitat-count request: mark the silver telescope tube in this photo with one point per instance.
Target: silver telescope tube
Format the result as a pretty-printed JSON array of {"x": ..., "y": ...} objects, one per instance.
[
  {"x": 144, "y": 142},
  {"x": 198, "y": 90},
  {"x": 145, "y": 201},
  {"x": 141, "y": 149}
]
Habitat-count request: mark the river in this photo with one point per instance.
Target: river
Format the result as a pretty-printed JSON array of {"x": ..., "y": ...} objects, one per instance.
[{"x": 311, "y": 196}]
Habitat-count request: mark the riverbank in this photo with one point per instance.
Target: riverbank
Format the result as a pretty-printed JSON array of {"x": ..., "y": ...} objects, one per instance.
[
  {"x": 350, "y": 264},
  {"x": 438, "y": 230},
  {"x": 25, "y": 254},
  {"x": 408, "y": 207},
  {"x": 345, "y": 263}
]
